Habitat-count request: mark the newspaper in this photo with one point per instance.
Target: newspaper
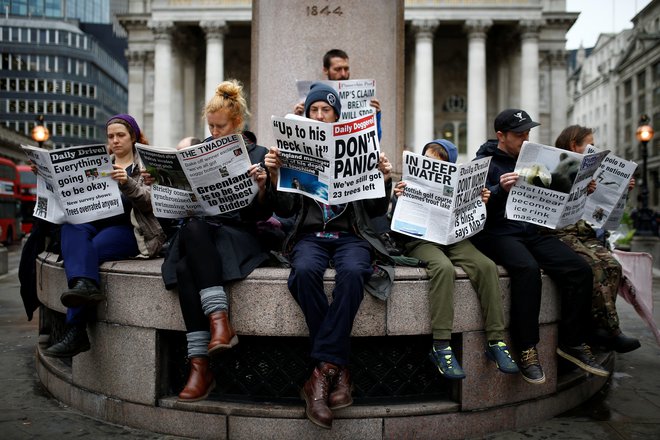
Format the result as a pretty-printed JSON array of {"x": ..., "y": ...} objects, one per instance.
[
  {"x": 205, "y": 179},
  {"x": 605, "y": 206},
  {"x": 74, "y": 184},
  {"x": 332, "y": 163},
  {"x": 442, "y": 201},
  {"x": 355, "y": 95},
  {"x": 552, "y": 188}
]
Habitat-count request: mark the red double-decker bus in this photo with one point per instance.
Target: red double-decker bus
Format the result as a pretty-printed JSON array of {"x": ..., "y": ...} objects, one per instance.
[
  {"x": 10, "y": 215},
  {"x": 27, "y": 195}
]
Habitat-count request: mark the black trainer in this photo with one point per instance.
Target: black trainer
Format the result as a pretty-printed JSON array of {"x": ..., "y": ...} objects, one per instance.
[
  {"x": 75, "y": 341},
  {"x": 530, "y": 367},
  {"x": 84, "y": 291},
  {"x": 617, "y": 342},
  {"x": 583, "y": 358}
]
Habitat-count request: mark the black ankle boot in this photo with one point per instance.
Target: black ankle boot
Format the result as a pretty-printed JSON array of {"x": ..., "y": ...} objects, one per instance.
[
  {"x": 84, "y": 291},
  {"x": 75, "y": 341}
]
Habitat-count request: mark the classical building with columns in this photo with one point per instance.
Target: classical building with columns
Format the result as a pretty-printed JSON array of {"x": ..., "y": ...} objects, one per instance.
[{"x": 465, "y": 60}]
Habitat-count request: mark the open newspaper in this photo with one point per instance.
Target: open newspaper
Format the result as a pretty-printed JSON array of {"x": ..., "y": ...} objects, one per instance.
[
  {"x": 332, "y": 163},
  {"x": 605, "y": 206},
  {"x": 74, "y": 184},
  {"x": 552, "y": 188},
  {"x": 205, "y": 179},
  {"x": 442, "y": 201},
  {"x": 354, "y": 94}
]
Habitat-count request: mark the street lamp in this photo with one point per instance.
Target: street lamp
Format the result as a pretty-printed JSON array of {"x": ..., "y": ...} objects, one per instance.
[
  {"x": 644, "y": 221},
  {"x": 40, "y": 133}
]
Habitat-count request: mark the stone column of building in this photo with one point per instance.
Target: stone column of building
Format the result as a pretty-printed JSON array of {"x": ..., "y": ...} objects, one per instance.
[
  {"x": 162, "y": 134},
  {"x": 136, "y": 60},
  {"x": 558, "y": 81},
  {"x": 476, "y": 93},
  {"x": 177, "y": 95},
  {"x": 215, "y": 71},
  {"x": 529, "y": 49},
  {"x": 423, "y": 105}
]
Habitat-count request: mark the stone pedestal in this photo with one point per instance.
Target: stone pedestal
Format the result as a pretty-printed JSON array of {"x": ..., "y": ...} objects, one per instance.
[{"x": 289, "y": 39}]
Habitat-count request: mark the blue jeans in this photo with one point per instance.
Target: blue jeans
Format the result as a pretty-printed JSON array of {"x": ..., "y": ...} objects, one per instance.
[
  {"x": 330, "y": 325},
  {"x": 85, "y": 247}
]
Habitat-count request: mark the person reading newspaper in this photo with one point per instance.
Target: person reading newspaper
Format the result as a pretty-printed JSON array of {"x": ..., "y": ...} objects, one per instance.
[
  {"x": 481, "y": 271},
  {"x": 208, "y": 252},
  {"x": 323, "y": 233},
  {"x": 524, "y": 251},
  {"x": 336, "y": 67},
  {"x": 135, "y": 232},
  {"x": 582, "y": 238}
]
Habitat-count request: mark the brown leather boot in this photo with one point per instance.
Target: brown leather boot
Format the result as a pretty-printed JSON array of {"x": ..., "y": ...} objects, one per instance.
[
  {"x": 200, "y": 381},
  {"x": 315, "y": 392},
  {"x": 341, "y": 395},
  {"x": 223, "y": 335}
]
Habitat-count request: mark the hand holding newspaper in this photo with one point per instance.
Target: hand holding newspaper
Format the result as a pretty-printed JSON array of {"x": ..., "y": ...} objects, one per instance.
[
  {"x": 74, "y": 184},
  {"x": 206, "y": 179},
  {"x": 551, "y": 190},
  {"x": 442, "y": 200},
  {"x": 604, "y": 207},
  {"x": 332, "y": 163}
]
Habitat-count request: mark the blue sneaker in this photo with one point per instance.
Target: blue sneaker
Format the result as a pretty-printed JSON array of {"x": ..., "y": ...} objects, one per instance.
[
  {"x": 446, "y": 363},
  {"x": 499, "y": 353}
]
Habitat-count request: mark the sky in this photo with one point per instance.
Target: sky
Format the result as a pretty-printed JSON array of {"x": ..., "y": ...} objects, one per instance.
[{"x": 600, "y": 16}]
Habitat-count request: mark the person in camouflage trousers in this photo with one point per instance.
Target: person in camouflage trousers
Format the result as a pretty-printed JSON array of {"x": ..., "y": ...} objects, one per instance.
[{"x": 581, "y": 237}]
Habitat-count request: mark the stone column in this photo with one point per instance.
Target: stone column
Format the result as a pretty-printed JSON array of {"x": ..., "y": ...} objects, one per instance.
[
  {"x": 136, "y": 60},
  {"x": 177, "y": 114},
  {"x": 423, "y": 83},
  {"x": 476, "y": 93},
  {"x": 558, "y": 93},
  {"x": 529, "y": 94},
  {"x": 162, "y": 31},
  {"x": 215, "y": 35}
]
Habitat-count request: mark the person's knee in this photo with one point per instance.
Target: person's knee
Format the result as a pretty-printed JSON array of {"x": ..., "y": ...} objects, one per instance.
[{"x": 440, "y": 267}]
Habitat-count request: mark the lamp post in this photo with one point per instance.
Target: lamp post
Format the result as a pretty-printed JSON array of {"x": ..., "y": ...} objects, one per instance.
[
  {"x": 40, "y": 133},
  {"x": 645, "y": 216}
]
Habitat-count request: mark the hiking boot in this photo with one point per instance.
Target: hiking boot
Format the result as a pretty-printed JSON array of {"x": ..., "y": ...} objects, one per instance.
[
  {"x": 315, "y": 392},
  {"x": 446, "y": 362},
  {"x": 84, "y": 291},
  {"x": 530, "y": 367},
  {"x": 75, "y": 341},
  {"x": 583, "y": 358},
  {"x": 499, "y": 353},
  {"x": 341, "y": 395}
]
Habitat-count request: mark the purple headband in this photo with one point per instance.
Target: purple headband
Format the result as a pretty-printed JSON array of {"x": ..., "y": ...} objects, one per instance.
[{"x": 130, "y": 121}]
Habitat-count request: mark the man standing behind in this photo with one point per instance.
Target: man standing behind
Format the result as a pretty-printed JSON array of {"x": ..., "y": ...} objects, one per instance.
[
  {"x": 336, "y": 68},
  {"x": 523, "y": 251}
]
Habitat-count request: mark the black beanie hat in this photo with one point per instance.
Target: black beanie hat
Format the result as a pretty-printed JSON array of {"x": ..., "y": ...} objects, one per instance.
[{"x": 321, "y": 92}]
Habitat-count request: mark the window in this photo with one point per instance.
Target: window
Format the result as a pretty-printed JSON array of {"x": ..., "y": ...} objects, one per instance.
[
  {"x": 628, "y": 110},
  {"x": 641, "y": 104},
  {"x": 627, "y": 88},
  {"x": 641, "y": 81}
]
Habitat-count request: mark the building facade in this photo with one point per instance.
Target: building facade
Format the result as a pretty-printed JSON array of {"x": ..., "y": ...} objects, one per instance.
[
  {"x": 72, "y": 73},
  {"x": 464, "y": 62},
  {"x": 638, "y": 93}
]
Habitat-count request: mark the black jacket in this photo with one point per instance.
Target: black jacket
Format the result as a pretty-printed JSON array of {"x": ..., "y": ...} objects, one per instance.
[
  {"x": 238, "y": 237},
  {"x": 497, "y": 223}
]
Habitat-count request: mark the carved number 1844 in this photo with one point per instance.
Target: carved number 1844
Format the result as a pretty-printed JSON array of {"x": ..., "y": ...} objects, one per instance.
[{"x": 325, "y": 10}]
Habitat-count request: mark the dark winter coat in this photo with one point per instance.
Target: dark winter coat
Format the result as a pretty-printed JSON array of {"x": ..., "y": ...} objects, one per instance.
[
  {"x": 496, "y": 222},
  {"x": 236, "y": 239}
]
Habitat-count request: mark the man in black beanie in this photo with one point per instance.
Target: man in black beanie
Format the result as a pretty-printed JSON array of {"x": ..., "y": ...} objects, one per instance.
[{"x": 341, "y": 233}]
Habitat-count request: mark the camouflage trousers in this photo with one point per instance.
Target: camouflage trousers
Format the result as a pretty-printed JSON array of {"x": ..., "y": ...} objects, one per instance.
[{"x": 607, "y": 273}]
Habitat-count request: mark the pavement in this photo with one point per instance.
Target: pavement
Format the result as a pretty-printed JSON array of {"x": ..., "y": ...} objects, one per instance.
[{"x": 627, "y": 408}]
